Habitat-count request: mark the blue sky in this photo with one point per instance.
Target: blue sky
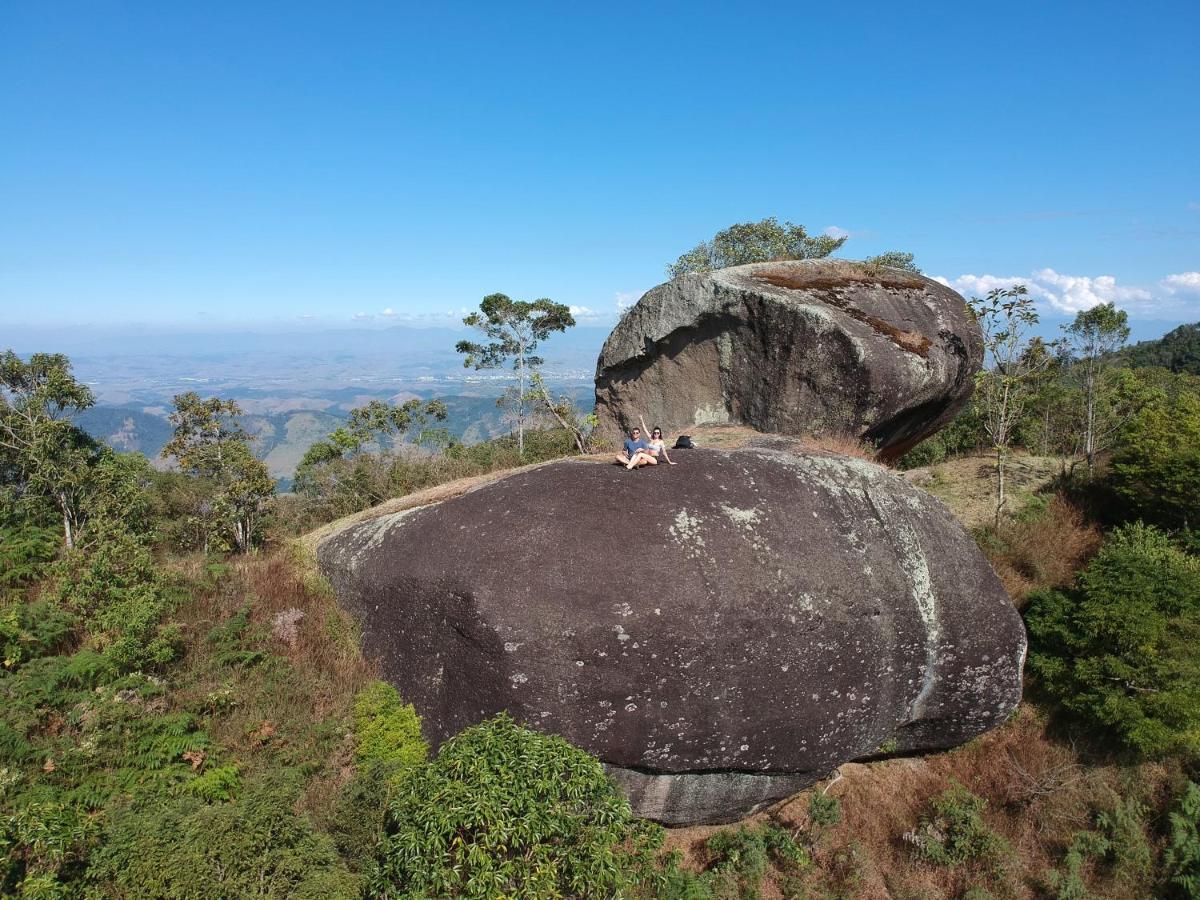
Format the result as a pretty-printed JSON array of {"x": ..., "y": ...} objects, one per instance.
[{"x": 292, "y": 163}]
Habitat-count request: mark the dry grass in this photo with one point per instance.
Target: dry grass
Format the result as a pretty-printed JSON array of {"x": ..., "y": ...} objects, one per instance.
[
  {"x": 967, "y": 484},
  {"x": 291, "y": 706},
  {"x": 1045, "y": 551},
  {"x": 1039, "y": 790},
  {"x": 843, "y": 444}
]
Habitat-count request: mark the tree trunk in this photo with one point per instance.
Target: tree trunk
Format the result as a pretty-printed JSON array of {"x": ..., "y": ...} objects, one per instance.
[
  {"x": 521, "y": 404},
  {"x": 999, "y": 484},
  {"x": 68, "y": 531},
  {"x": 1089, "y": 438}
]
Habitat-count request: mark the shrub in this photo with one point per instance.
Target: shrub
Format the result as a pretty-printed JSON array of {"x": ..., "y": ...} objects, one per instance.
[
  {"x": 1181, "y": 859},
  {"x": 824, "y": 811},
  {"x": 1118, "y": 650},
  {"x": 119, "y": 593},
  {"x": 26, "y": 551},
  {"x": 181, "y": 847},
  {"x": 506, "y": 811},
  {"x": 739, "y": 859},
  {"x": 30, "y": 631},
  {"x": 954, "y": 832},
  {"x": 386, "y": 729},
  {"x": 216, "y": 783}
]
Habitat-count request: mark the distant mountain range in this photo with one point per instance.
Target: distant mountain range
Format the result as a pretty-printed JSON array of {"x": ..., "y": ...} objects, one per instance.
[{"x": 296, "y": 388}]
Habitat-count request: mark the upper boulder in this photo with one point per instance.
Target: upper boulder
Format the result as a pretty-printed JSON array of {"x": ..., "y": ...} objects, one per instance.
[
  {"x": 793, "y": 347},
  {"x": 722, "y": 633}
]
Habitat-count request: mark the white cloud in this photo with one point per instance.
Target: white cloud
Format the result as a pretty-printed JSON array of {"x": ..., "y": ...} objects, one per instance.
[
  {"x": 834, "y": 231},
  {"x": 1062, "y": 293},
  {"x": 626, "y": 299},
  {"x": 581, "y": 311},
  {"x": 1183, "y": 283},
  {"x": 362, "y": 317},
  {"x": 388, "y": 313}
]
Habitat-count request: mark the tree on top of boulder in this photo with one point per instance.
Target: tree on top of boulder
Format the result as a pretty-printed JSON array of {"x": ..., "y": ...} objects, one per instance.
[
  {"x": 513, "y": 329},
  {"x": 750, "y": 242}
]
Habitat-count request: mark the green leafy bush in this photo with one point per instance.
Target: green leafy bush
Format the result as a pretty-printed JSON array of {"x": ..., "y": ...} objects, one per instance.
[
  {"x": 506, "y": 811},
  {"x": 179, "y": 847},
  {"x": 955, "y": 833},
  {"x": 1118, "y": 651},
  {"x": 119, "y": 592},
  {"x": 386, "y": 729},
  {"x": 26, "y": 551},
  {"x": 216, "y": 783},
  {"x": 824, "y": 811},
  {"x": 739, "y": 859},
  {"x": 32, "y": 630}
]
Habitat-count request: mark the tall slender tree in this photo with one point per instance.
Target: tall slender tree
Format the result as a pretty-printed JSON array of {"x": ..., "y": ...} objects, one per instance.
[
  {"x": 1015, "y": 360},
  {"x": 514, "y": 328},
  {"x": 1095, "y": 334}
]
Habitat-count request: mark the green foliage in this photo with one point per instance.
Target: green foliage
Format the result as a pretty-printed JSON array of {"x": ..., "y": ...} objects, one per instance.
[
  {"x": 748, "y": 242},
  {"x": 41, "y": 843},
  {"x": 1157, "y": 469},
  {"x": 231, "y": 640},
  {"x": 1178, "y": 351},
  {"x": 1181, "y": 859},
  {"x": 892, "y": 259},
  {"x": 1015, "y": 362},
  {"x": 210, "y": 445},
  {"x": 32, "y": 630},
  {"x": 824, "y": 811},
  {"x": 26, "y": 551},
  {"x": 116, "y": 588},
  {"x": 964, "y": 434},
  {"x": 256, "y": 846},
  {"x": 955, "y": 833},
  {"x": 216, "y": 783},
  {"x": 738, "y": 859},
  {"x": 43, "y": 455},
  {"x": 1118, "y": 651},
  {"x": 504, "y": 810},
  {"x": 386, "y": 729},
  {"x": 1116, "y": 844},
  {"x": 513, "y": 329}
]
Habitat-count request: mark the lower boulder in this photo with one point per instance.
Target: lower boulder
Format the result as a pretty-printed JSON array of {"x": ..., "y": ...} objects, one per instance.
[{"x": 722, "y": 633}]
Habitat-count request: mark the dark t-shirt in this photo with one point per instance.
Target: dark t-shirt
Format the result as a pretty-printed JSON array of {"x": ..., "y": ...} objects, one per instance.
[{"x": 632, "y": 446}]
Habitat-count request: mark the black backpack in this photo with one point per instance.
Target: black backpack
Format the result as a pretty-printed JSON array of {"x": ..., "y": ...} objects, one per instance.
[{"x": 684, "y": 442}]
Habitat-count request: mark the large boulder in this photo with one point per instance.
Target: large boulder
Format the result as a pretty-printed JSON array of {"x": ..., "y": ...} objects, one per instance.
[
  {"x": 721, "y": 633},
  {"x": 795, "y": 347}
]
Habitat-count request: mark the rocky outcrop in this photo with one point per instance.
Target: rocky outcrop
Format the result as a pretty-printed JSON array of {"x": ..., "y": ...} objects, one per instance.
[
  {"x": 796, "y": 347},
  {"x": 720, "y": 633}
]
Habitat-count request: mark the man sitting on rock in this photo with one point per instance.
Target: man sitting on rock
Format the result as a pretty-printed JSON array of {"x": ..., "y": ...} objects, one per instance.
[{"x": 634, "y": 456}]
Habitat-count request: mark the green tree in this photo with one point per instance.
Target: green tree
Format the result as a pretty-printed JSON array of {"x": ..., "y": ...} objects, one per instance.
[
  {"x": 504, "y": 811},
  {"x": 749, "y": 242},
  {"x": 893, "y": 259},
  {"x": 332, "y": 471},
  {"x": 47, "y": 454},
  {"x": 514, "y": 328},
  {"x": 1156, "y": 470},
  {"x": 1008, "y": 381},
  {"x": 211, "y": 445},
  {"x": 1095, "y": 334},
  {"x": 1118, "y": 650}
]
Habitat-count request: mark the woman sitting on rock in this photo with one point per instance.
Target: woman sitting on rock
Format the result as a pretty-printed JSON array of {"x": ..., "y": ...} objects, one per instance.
[{"x": 655, "y": 448}]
